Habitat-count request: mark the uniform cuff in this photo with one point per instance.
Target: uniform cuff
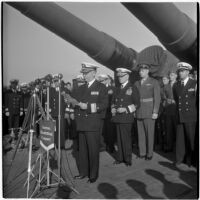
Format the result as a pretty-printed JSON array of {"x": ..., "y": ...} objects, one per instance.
[{"x": 131, "y": 108}]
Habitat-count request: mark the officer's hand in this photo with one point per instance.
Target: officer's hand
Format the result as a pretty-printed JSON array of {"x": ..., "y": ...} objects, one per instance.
[
  {"x": 154, "y": 116},
  {"x": 72, "y": 116},
  {"x": 7, "y": 114},
  {"x": 121, "y": 110},
  {"x": 21, "y": 113},
  {"x": 110, "y": 91},
  {"x": 83, "y": 106},
  {"x": 66, "y": 116},
  {"x": 169, "y": 101},
  {"x": 66, "y": 100},
  {"x": 173, "y": 101},
  {"x": 113, "y": 111}
]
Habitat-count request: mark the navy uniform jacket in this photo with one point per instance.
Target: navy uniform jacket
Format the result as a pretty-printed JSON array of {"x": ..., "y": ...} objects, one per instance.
[
  {"x": 95, "y": 94},
  {"x": 123, "y": 98},
  {"x": 186, "y": 101},
  {"x": 149, "y": 98},
  {"x": 26, "y": 98},
  {"x": 13, "y": 102},
  {"x": 53, "y": 103},
  {"x": 168, "y": 98}
]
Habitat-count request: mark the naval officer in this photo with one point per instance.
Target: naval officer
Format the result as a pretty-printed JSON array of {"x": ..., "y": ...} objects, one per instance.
[
  {"x": 185, "y": 98},
  {"x": 124, "y": 104},
  {"x": 90, "y": 101}
]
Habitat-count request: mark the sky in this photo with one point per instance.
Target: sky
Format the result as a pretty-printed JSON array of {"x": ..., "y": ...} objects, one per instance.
[{"x": 30, "y": 51}]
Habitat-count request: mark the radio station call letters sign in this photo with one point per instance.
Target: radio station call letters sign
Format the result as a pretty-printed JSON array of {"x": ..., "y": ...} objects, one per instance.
[{"x": 47, "y": 129}]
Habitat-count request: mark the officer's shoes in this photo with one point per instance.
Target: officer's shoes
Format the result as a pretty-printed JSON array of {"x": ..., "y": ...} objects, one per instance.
[
  {"x": 148, "y": 157},
  {"x": 79, "y": 177},
  {"x": 141, "y": 157},
  {"x": 92, "y": 180},
  {"x": 116, "y": 162},
  {"x": 128, "y": 164}
]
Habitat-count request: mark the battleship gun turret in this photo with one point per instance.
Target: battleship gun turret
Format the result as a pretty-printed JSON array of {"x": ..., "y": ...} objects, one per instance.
[{"x": 175, "y": 30}]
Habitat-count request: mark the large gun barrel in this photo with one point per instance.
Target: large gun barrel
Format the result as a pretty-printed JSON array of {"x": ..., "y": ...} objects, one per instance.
[
  {"x": 98, "y": 45},
  {"x": 175, "y": 30}
]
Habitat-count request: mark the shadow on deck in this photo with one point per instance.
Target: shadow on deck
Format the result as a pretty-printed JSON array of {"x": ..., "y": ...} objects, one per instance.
[{"x": 155, "y": 179}]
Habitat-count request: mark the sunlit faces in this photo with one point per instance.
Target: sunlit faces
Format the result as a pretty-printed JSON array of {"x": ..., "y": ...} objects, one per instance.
[
  {"x": 165, "y": 80},
  {"x": 143, "y": 72},
  {"x": 122, "y": 77},
  {"x": 172, "y": 76},
  {"x": 69, "y": 86},
  {"x": 89, "y": 76},
  {"x": 183, "y": 74}
]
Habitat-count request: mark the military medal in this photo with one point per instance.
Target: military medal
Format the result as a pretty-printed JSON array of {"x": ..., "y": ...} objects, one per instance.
[{"x": 129, "y": 91}]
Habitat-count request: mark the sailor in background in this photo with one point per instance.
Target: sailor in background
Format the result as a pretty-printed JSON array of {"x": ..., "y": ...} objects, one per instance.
[
  {"x": 147, "y": 113},
  {"x": 169, "y": 113},
  {"x": 90, "y": 100},
  {"x": 124, "y": 104},
  {"x": 108, "y": 135},
  {"x": 54, "y": 109},
  {"x": 185, "y": 98},
  {"x": 13, "y": 105}
]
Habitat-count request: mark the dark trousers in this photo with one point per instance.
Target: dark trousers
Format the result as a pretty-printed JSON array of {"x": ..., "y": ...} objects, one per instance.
[
  {"x": 124, "y": 142},
  {"x": 13, "y": 121},
  {"x": 170, "y": 123},
  {"x": 110, "y": 134},
  {"x": 62, "y": 132},
  {"x": 89, "y": 154},
  {"x": 185, "y": 136},
  {"x": 146, "y": 136},
  {"x": 102, "y": 134}
]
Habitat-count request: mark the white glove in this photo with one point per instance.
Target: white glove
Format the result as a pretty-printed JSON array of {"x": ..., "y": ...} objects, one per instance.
[
  {"x": 7, "y": 114},
  {"x": 154, "y": 116},
  {"x": 121, "y": 110}
]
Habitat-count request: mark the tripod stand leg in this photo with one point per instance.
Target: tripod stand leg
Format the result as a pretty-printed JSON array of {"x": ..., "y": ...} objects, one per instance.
[
  {"x": 29, "y": 161},
  {"x": 47, "y": 168},
  {"x": 20, "y": 135}
]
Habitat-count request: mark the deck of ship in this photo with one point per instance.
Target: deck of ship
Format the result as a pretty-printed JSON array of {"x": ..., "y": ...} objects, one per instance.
[{"x": 155, "y": 179}]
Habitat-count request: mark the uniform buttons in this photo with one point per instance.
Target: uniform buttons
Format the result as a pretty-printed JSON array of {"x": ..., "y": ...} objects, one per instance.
[
  {"x": 86, "y": 115},
  {"x": 179, "y": 109},
  {"x": 179, "y": 103},
  {"x": 186, "y": 95},
  {"x": 186, "y": 109},
  {"x": 78, "y": 114},
  {"x": 179, "y": 97},
  {"x": 186, "y": 102},
  {"x": 121, "y": 99}
]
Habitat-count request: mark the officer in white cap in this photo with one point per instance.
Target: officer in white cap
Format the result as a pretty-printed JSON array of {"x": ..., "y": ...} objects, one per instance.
[
  {"x": 90, "y": 100},
  {"x": 124, "y": 104},
  {"x": 185, "y": 97}
]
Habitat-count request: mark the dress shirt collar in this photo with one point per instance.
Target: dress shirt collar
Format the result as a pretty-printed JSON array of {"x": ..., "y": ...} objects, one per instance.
[
  {"x": 90, "y": 83},
  {"x": 124, "y": 84},
  {"x": 185, "y": 81}
]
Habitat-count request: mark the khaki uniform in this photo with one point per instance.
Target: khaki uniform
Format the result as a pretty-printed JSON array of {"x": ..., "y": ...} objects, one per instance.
[{"x": 149, "y": 103}]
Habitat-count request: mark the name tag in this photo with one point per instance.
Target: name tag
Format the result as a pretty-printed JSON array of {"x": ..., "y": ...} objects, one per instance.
[
  {"x": 94, "y": 93},
  {"x": 191, "y": 90},
  {"x": 148, "y": 84}
]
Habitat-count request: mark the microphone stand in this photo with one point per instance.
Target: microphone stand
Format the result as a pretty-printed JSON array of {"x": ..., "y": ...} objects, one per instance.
[{"x": 59, "y": 124}]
